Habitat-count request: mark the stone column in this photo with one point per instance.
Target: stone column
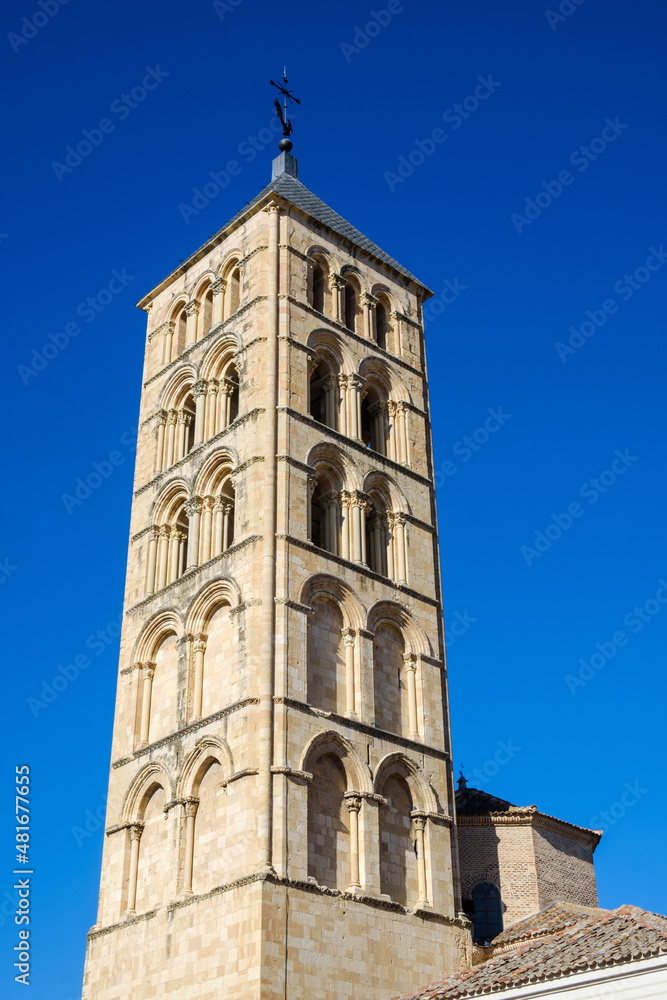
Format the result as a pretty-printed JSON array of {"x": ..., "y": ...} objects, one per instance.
[
  {"x": 148, "y": 672},
  {"x": 402, "y": 433},
  {"x": 198, "y": 651},
  {"x": 191, "y": 311},
  {"x": 391, "y": 430},
  {"x": 199, "y": 393},
  {"x": 355, "y": 386},
  {"x": 369, "y": 302},
  {"x": 311, "y": 482},
  {"x": 337, "y": 284},
  {"x": 135, "y": 836},
  {"x": 171, "y": 434},
  {"x": 342, "y": 404},
  {"x": 345, "y": 528},
  {"x": 162, "y": 556},
  {"x": 205, "y": 533},
  {"x": 211, "y": 402},
  {"x": 353, "y": 803},
  {"x": 329, "y": 386},
  {"x": 193, "y": 509},
  {"x": 152, "y": 560},
  {"x": 349, "y": 639},
  {"x": 410, "y": 661},
  {"x": 159, "y": 446},
  {"x": 388, "y": 527},
  {"x": 227, "y": 511},
  {"x": 418, "y": 824},
  {"x": 218, "y": 289},
  {"x": 218, "y": 524},
  {"x": 356, "y": 528},
  {"x": 189, "y": 813},
  {"x": 167, "y": 343},
  {"x": 172, "y": 558},
  {"x": 401, "y": 548}
]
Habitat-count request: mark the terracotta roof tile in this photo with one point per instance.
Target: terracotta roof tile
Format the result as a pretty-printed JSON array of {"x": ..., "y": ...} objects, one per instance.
[{"x": 563, "y": 940}]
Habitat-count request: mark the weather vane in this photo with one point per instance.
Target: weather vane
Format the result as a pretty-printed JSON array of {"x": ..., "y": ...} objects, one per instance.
[{"x": 285, "y": 143}]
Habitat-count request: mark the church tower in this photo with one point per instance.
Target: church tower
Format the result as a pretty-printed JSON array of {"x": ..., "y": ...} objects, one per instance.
[{"x": 280, "y": 809}]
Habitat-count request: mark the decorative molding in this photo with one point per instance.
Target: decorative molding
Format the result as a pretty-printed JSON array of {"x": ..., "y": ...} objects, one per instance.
[
  {"x": 246, "y": 772},
  {"x": 401, "y": 589},
  {"x": 355, "y": 445},
  {"x": 362, "y": 727},
  {"x": 291, "y": 772},
  {"x": 185, "y": 731}
]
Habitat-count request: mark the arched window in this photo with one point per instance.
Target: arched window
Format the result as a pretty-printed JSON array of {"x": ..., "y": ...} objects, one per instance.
[
  {"x": 317, "y": 526},
  {"x": 326, "y": 658},
  {"x": 205, "y": 318},
  {"x": 351, "y": 308},
  {"x": 164, "y": 691},
  {"x": 381, "y": 325},
  {"x": 168, "y": 547},
  {"x": 180, "y": 334},
  {"x": 219, "y": 681},
  {"x": 209, "y": 854},
  {"x": 486, "y": 912},
  {"x": 398, "y": 863},
  {"x": 175, "y": 432},
  {"x": 153, "y": 868},
  {"x": 318, "y": 288},
  {"x": 328, "y": 824},
  {"x": 392, "y": 711},
  {"x": 324, "y": 395},
  {"x": 233, "y": 294},
  {"x": 374, "y": 420}
]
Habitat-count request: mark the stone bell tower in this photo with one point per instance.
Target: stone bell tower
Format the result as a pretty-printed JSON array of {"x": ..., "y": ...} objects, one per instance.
[{"x": 279, "y": 819}]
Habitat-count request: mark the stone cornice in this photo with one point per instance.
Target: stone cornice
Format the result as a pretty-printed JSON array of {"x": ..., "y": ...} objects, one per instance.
[
  {"x": 362, "y": 727},
  {"x": 245, "y": 773},
  {"x": 530, "y": 816},
  {"x": 341, "y": 328},
  {"x": 191, "y": 574},
  {"x": 355, "y": 445},
  {"x": 363, "y": 570},
  {"x": 360, "y": 897},
  {"x": 185, "y": 731}
]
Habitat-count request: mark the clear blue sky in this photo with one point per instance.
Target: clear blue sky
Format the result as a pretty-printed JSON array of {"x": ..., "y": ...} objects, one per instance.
[{"x": 518, "y": 288}]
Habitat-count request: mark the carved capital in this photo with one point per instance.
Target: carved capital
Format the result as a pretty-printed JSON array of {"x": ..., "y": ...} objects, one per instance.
[
  {"x": 190, "y": 807},
  {"x": 199, "y": 388},
  {"x": 147, "y": 671},
  {"x": 368, "y": 300},
  {"x": 193, "y": 506},
  {"x": 136, "y": 829},
  {"x": 410, "y": 661},
  {"x": 218, "y": 286},
  {"x": 336, "y": 281},
  {"x": 352, "y": 801},
  {"x": 349, "y": 636},
  {"x": 191, "y": 307}
]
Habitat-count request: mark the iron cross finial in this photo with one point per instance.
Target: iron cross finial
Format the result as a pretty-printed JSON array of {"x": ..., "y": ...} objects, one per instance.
[{"x": 285, "y": 144}]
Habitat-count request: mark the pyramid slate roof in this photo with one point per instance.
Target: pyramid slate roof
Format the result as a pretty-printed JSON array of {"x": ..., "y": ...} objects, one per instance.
[
  {"x": 563, "y": 940},
  {"x": 292, "y": 190}
]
